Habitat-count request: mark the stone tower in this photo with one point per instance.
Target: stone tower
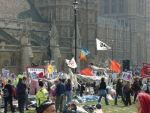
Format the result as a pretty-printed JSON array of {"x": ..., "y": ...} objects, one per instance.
[{"x": 63, "y": 14}]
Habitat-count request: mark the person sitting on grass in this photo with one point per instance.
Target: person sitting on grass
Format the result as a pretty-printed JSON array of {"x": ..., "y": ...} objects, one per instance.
[{"x": 47, "y": 107}]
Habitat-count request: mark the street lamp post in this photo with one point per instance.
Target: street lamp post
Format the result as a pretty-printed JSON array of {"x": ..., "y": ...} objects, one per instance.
[{"x": 75, "y": 6}]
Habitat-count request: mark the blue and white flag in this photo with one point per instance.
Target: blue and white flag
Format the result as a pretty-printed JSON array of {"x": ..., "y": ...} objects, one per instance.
[{"x": 85, "y": 51}]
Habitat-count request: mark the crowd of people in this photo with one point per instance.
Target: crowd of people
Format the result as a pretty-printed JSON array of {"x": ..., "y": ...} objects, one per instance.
[{"x": 57, "y": 97}]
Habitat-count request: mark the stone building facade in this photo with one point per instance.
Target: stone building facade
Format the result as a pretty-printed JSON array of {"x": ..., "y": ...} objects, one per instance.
[
  {"x": 62, "y": 13},
  {"x": 117, "y": 37},
  {"x": 23, "y": 38},
  {"x": 26, "y": 24},
  {"x": 134, "y": 15}
]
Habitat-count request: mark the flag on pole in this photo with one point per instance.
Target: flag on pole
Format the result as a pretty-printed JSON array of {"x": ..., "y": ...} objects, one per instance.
[
  {"x": 82, "y": 57},
  {"x": 50, "y": 69},
  {"x": 101, "y": 45},
  {"x": 115, "y": 66},
  {"x": 71, "y": 63},
  {"x": 83, "y": 54},
  {"x": 85, "y": 51},
  {"x": 145, "y": 71},
  {"x": 87, "y": 71}
]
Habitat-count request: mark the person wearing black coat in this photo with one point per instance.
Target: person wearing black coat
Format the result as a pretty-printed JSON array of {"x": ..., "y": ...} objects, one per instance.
[
  {"x": 127, "y": 93},
  {"x": 8, "y": 96},
  {"x": 102, "y": 91},
  {"x": 136, "y": 88},
  {"x": 21, "y": 95},
  {"x": 119, "y": 87}
]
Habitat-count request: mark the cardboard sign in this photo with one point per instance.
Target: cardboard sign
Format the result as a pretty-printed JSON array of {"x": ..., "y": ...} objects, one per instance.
[
  {"x": 5, "y": 72},
  {"x": 127, "y": 76}
]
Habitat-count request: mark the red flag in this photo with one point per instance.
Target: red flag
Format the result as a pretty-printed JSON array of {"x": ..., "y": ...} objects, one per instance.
[
  {"x": 86, "y": 71},
  {"x": 115, "y": 66},
  {"x": 145, "y": 71}
]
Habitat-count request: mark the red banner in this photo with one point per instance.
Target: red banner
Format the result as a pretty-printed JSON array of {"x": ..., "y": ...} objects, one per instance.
[{"x": 145, "y": 71}]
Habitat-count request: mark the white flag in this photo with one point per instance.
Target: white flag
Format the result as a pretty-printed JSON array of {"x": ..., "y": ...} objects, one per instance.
[
  {"x": 101, "y": 45},
  {"x": 71, "y": 63}
]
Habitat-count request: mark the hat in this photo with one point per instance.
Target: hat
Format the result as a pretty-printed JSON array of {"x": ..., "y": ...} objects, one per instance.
[{"x": 98, "y": 106}]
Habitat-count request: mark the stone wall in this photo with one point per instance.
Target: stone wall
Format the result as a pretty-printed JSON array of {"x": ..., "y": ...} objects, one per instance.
[{"x": 11, "y": 8}]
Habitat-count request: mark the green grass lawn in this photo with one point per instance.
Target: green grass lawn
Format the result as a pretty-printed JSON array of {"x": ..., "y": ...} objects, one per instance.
[{"x": 120, "y": 108}]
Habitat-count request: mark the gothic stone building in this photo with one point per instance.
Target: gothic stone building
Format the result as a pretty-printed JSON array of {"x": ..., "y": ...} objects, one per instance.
[{"x": 25, "y": 26}]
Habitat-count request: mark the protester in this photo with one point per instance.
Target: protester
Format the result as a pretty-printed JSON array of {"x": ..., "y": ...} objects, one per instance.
[
  {"x": 143, "y": 102},
  {"x": 82, "y": 89},
  {"x": 127, "y": 93},
  {"x": 60, "y": 96},
  {"x": 42, "y": 94},
  {"x": 146, "y": 86},
  {"x": 68, "y": 87},
  {"x": 21, "y": 95},
  {"x": 102, "y": 91},
  {"x": 70, "y": 108},
  {"x": 47, "y": 107},
  {"x": 26, "y": 92},
  {"x": 119, "y": 87},
  {"x": 53, "y": 91},
  {"x": 8, "y": 96},
  {"x": 136, "y": 88}
]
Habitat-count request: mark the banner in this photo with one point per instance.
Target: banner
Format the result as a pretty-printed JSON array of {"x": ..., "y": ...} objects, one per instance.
[
  {"x": 71, "y": 63},
  {"x": 35, "y": 72},
  {"x": 101, "y": 45},
  {"x": 145, "y": 71},
  {"x": 5, "y": 72},
  {"x": 127, "y": 76}
]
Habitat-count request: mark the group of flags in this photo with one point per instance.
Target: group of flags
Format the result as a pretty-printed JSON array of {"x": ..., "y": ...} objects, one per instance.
[
  {"x": 99, "y": 45},
  {"x": 115, "y": 66}
]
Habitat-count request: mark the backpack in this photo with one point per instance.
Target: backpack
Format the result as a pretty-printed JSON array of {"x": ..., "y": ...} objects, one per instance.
[{"x": 5, "y": 92}]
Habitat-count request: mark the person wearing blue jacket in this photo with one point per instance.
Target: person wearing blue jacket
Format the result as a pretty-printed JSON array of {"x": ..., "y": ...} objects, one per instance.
[{"x": 60, "y": 96}]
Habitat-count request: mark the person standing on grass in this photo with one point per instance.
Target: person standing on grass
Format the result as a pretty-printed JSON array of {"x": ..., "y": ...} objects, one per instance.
[
  {"x": 26, "y": 83},
  {"x": 60, "y": 96},
  {"x": 102, "y": 91},
  {"x": 21, "y": 95},
  {"x": 68, "y": 87},
  {"x": 136, "y": 88},
  {"x": 119, "y": 87},
  {"x": 8, "y": 96},
  {"x": 82, "y": 89},
  {"x": 42, "y": 95},
  {"x": 127, "y": 93},
  {"x": 146, "y": 86}
]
